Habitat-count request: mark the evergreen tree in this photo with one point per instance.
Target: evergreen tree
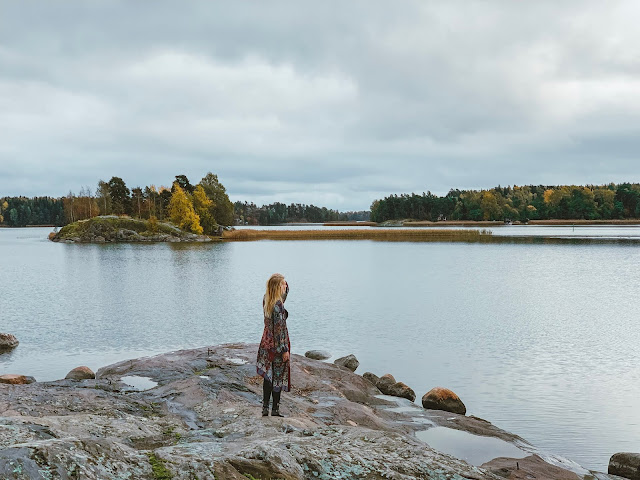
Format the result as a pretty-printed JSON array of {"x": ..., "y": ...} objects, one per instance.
[
  {"x": 223, "y": 208},
  {"x": 120, "y": 196}
]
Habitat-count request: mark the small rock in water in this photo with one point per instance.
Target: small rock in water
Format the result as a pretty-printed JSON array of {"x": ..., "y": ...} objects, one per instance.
[
  {"x": 439, "y": 398},
  {"x": 625, "y": 464},
  {"x": 371, "y": 377},
  {"x": 8, "y": 341},
  {"x": 13, "y": 379},
  {"x": 317, "y": 354},
  {"x": 80, "y": 373},
  {"x": 350, "y": 362},
  {"x": 400, "y": 389},
  {"x": 385, "y": 383}
]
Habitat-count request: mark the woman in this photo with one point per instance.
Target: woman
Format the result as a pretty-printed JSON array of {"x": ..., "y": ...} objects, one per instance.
[{"x": 273, "y": 353}]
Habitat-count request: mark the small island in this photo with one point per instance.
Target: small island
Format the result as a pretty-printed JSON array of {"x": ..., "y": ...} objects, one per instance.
[{"x": 119, "y": 229}]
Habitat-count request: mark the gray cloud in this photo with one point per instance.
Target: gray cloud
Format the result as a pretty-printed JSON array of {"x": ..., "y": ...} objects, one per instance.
[{"x": 333, "y": 103}]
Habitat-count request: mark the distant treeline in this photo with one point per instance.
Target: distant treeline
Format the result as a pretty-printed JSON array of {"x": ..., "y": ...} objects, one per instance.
[
  {"x": 277, "y": 213},
  {"x": 532, "y": 202},
  {"x": 199, "y": 208},
  {"x": 23, "y": 211}
]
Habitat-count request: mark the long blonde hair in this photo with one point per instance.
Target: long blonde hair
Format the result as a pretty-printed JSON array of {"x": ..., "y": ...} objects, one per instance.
[{"x": 274, "y": 293}]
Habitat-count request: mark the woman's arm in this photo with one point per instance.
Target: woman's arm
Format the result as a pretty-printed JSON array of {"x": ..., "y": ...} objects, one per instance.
[{"x": 279, "y": 330}]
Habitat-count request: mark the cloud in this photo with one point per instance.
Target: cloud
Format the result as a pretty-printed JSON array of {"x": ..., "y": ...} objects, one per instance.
[{"x": 334, "y": 103}]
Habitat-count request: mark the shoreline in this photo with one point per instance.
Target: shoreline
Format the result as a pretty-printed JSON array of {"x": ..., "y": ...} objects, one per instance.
[{"x": 198, "y": 414}]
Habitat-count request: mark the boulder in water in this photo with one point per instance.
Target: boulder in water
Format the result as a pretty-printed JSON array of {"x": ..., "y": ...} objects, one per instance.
[
  {"x": 439, "y": 398},
  {"x": 625, "y": 464},
  {"x": 385, "y": 383},
  {"x": 317, "y": 354},
  {"x": 80, "y": 373},
  {"x": 8, "y": 341},
  {"x": 400, "y": 389},
  {"x": 350, "y": 362}
]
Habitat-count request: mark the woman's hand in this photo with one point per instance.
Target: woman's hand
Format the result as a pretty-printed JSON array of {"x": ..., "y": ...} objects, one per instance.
[{"x": 285, "y": 356}]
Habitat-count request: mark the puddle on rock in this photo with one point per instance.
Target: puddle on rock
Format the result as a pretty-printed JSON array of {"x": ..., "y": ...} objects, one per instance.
[
  {"x": 402, "y": 409},
  {"x": 473, "y": 449},
  {"x": 236, "y": 361},
  {"x": 139, "y": 383}
]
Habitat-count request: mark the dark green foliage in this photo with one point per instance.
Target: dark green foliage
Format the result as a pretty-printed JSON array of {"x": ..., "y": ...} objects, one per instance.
[
  {"x": 120, "y": 196},
  {"x": 183, "y": 181},
  {"x": 222, "y": 210},
  {"x": 22, "y": 211},
  {"x": 277, "y": 213},
  {"x": 525, "y": 203}
]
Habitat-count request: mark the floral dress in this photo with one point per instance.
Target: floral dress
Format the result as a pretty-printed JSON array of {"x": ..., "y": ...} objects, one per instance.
[{"x": 275, "y": 341}]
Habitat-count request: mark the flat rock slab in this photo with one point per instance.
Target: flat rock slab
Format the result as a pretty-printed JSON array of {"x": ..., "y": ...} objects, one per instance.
[
  {"x": 531, "y": 467},
  {"x": 204, "y": 418}
]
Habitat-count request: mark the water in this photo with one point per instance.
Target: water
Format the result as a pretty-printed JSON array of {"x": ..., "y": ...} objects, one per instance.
[
  {"x": 473, "y": 449},
  {"x": 542, "y": 340}
]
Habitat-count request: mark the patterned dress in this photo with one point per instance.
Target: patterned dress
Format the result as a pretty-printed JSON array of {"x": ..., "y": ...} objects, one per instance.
[{"x": 275, "y": 341}]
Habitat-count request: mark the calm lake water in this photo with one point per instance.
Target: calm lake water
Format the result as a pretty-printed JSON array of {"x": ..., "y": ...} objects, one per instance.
[{"x": 541, "y": 340}]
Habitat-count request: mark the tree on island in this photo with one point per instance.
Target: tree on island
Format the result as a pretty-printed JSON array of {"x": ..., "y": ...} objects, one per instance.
[
  {"x": 222, "y": 206},
  {"x": 203, "y": 207},
  {"x": 183, "y": 181},
  {"x": 103, "y": 197},
  {"x": 120, "y": 196},
  {"x": 181, "y": 211}
]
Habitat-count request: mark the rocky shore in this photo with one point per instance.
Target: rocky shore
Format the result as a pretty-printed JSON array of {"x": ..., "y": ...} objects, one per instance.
[{"x": 195, "y": 414}]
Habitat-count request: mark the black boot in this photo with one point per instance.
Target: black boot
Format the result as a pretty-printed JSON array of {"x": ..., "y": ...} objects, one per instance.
[
  {"x": 266, "y": 395},
  {"x": 275, "y": 409}
]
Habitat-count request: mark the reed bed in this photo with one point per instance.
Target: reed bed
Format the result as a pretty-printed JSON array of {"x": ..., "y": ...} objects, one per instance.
[{"x": 390, "y": 235}]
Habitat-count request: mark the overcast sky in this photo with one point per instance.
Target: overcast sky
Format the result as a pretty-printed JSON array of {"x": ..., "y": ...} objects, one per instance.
[{"x": 334, "y": 103}]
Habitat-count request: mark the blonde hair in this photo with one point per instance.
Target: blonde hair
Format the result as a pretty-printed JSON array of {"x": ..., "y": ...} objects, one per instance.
[{"x": 274, "y": 293}]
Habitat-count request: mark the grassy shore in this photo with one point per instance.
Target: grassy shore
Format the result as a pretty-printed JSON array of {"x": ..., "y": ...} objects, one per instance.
[{"x": 439, "y": 235}]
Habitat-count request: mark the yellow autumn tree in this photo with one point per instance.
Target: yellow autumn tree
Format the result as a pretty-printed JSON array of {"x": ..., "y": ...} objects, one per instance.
[
  {"x": 181, "y": 211},
  {"x": 203, "y": 207}
]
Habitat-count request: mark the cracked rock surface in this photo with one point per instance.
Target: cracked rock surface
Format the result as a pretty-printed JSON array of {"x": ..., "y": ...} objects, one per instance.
[{"x": 200, "y": 418}]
